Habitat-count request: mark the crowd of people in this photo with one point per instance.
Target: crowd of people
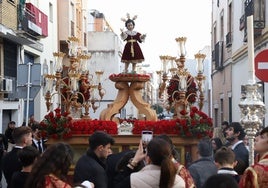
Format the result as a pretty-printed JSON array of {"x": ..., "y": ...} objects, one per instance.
[{"x": 26, "y": 161}]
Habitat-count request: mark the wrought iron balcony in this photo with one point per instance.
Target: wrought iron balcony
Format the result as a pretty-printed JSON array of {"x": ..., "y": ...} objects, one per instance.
[{"x": 32, "y": 21}]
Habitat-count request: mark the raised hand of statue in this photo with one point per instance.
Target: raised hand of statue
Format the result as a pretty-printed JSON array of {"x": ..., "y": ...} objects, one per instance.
[{"x": 143, "y": 37}]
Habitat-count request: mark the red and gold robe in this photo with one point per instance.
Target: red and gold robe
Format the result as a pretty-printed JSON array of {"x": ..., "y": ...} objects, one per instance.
[
  {"x": 256, "y": 176},
  {"x": 52, "y": 181},
  {"x": 185, "y": 174}
]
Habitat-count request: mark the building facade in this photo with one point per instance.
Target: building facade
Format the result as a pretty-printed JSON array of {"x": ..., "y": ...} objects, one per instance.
[
  {"x": 30, "y": 32},
  {"x": 24, "y": 38},
  {"x": 230, "y": 64}
]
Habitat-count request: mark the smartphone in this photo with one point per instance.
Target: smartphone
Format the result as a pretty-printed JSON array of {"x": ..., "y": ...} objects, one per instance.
[{"x": 146, "y": 136}]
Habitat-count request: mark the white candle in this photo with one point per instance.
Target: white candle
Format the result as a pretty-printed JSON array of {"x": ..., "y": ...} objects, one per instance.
[
  {"x": 74, "y": 84},
  {"x": 183, "y": 83},
  {"x": 250, "y": 35}
]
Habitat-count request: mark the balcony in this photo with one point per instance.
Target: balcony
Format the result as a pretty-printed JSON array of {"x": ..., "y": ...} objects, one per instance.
[
  {"x": 257, "y": 9},
  {"x": 32, "y": 21}
]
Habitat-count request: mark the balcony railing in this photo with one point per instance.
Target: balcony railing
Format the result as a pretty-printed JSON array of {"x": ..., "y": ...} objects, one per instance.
[
  {"x": 256, "y": 9},
  {"x": 32, "y": 20}
]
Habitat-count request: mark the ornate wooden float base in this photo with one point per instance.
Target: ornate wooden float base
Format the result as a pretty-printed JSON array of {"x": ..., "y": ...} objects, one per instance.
[{"x": 187, "y": 147}]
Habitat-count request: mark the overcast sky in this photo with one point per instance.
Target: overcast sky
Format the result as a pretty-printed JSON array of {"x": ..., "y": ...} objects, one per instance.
[{"x": 162, "y": 21}]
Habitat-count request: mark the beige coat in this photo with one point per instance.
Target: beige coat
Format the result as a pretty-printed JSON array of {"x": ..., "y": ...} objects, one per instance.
[{"x": 149, "y": 177}]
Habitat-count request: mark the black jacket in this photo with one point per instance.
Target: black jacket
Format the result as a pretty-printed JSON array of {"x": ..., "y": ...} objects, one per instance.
[
  {"x": 90, "y": 167},
  {"x": 11, "y": 164},
  {"x": 241, "y": 156}
]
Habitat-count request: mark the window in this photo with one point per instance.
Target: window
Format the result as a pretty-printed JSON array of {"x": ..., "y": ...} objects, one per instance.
[
  {"x": 222, "y": 108},
  {"x": 72, "y": 12},
  {"x": 216, "y": 117},
  {"x": 230, "y": 109},
  {"x": 50, "y": 12},
  {"x": 230, "y": 17},
  {"x": 222, "y": 26},
  {"x": 259, "y": 10}
]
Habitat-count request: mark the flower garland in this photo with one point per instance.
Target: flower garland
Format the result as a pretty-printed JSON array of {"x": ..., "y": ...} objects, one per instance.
[
  {"x": 195, "y": 124},
  {"x": 87, "y": 126}
]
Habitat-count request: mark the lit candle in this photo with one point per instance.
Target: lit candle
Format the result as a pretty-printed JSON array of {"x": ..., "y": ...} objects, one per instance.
[{"x": 250, "y": 35}]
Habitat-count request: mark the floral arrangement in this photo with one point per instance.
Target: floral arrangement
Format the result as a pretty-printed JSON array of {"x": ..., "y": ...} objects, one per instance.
[
  {"x": 194, "y": 124},
  {"x": 87, "y": 126},
  {"x": 174, "y": 85},
  {"x": 56, "y": 124},
  {"x": 197, "y": 124}
]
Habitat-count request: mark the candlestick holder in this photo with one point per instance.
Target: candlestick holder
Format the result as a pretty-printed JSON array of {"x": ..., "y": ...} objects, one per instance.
[
  {"x": 178, "y": 87},
  {"x": 252, "y": 114},
  {"x": 76, "y": 91}
]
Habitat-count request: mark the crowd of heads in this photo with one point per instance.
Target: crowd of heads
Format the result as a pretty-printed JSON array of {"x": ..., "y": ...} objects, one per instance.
[{"x": 160, "y": 151}]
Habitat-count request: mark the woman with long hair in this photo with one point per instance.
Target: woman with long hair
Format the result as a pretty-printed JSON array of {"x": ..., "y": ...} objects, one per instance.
[
  {"x": 160, "y": 170},
  {"x": 51, "y": 169}
]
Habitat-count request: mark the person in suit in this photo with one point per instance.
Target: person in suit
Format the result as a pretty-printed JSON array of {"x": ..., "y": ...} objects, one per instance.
[
  {"x": 10, "y": 163},
  {"x": 235, "y": 135},
  {"x": 38, "y": 141}
]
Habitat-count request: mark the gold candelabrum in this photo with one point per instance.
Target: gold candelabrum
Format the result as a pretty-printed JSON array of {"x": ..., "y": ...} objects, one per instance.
[
  {"x": 77, "y": 90},
  {"x": 178, "y": 89}
]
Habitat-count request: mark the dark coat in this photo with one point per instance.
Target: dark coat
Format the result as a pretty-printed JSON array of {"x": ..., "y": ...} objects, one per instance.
[
  {"x": 201, "y": 170},
  {"x": 43, "y": 145},
  {"x": 11, "y": 164},
  {"x": 241, "y": 156},
  {"x": 90, "y": 167},
  {"x": 8, "y": 134},
  {"x": 112, "y": 173}
]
